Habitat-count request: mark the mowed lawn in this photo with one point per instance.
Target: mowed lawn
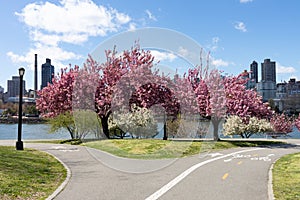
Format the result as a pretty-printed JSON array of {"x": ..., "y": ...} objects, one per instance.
[
  {"x": 28, "y": 174},
  {"x": 286, "y": 177},
  {"x": 159, "y": 149}
]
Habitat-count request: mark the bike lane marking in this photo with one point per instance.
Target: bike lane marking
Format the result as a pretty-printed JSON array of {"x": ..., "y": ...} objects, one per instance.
[{"x": 184, "y": 174}]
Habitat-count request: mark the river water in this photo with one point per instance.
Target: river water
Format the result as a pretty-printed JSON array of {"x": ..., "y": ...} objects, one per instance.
[
  {"x": 41, "y": 131},
  {"x": 30, "y": 131}
]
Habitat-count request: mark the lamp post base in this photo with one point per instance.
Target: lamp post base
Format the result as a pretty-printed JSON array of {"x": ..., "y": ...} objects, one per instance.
[{"x": 19, "y": 145}]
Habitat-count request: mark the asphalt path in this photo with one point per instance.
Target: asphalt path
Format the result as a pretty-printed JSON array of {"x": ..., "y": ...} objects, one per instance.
[{"x": 240, "y": 173}]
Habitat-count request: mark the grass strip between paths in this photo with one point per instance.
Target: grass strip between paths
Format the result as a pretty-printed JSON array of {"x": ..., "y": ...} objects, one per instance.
[
  {"x": 286, "y": 177},
  {"x": 159, "y": 149},
  {"x": 28, "y": 174}
]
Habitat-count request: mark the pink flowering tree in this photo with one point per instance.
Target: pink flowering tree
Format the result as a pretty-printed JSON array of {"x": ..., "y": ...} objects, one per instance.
[
  {"x": 96, "y": 87},
  {"x": 146, "y": 88},
  {"x": 210, "y": 95},
  {"x": 130, "y": 79},
  {"x": 216, "y": 107},
  {"x": 55, "y": 100},
  {"x": 242, "y": 102},
  {"x": 247, "y": 105},
  {"x": 112, "y": 72},
  {"x": 281, "y": 124},
  {"x": 297, "y": 123},
  {"x": 217, "y": 97},
  {"x": 83, "y": 99}
]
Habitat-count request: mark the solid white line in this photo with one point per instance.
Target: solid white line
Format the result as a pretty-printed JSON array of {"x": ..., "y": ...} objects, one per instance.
[{"x": 184, "y": 174}]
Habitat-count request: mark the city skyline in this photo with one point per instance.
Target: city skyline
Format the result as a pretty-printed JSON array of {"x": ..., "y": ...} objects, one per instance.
[{"x": 236, "y": 32}]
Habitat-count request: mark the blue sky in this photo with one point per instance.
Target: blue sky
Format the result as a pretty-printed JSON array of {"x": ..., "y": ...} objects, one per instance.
[{"x": 236, "y": 32}]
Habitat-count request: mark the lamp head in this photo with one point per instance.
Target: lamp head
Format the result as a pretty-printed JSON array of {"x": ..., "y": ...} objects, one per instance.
[{"x": 21, "y": 71}]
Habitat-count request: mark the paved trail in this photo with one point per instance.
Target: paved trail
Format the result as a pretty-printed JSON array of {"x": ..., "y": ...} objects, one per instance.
[{"x": 240, "y": 173}]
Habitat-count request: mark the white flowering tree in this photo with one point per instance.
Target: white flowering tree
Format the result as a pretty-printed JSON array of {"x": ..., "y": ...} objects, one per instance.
[
  {"x": 235, "y": 125},
  {"x": 139, "y": 122},
  {"x": 257, "y": 126}
]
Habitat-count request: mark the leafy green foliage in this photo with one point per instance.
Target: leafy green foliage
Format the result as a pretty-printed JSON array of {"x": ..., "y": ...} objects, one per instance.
[
  {"x": 79, "y": 124},
  {"x": 65, "y": 120},
  {"x": 87, "y": 122}
]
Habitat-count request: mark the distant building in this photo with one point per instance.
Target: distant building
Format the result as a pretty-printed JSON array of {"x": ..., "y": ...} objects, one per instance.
[
  {"x": 254, "y": 72},
  {"x": 293, "y": 87},
  {"x": 267, "y": 86},
  {"x": 251, "y": 84},
  {"x": 1, "y": 95},
  {"x": 281, "y": 90},
  {"x": 13, "y": 87},
  {"x": 288, "y": 96},
  {"x": 268, "y": 71},
  {"x": 47, "y": 73},
  {"x": 1, "y": 90},
  {"x": 267, "y": 89}
]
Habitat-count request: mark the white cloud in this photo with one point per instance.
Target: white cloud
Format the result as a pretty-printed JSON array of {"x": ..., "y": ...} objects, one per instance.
[
  {"x": 161, "y": 56},
  {"x": 280, "y": 69},
  {"x": 56, "y": 54},
  {"x": 219, "y": 63},
  {"x": 69, "y": 21},
  {"x": 240, "y": 26},
  {"x": 76, "y": 19},
  {"x": 150, "y": 15},
  {"x": 132, "y": 27},
  {"x": 245, "y": 1},
  {"x": 183, "y": 51},
  {"x": 122, "y": 18}
]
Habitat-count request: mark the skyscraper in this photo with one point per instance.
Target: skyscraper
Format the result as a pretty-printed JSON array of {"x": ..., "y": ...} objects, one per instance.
[
  {"x": 268, "y": 71},
  {"x": 267, "y": 87},
  {"x": 254, "y": 72},
  {"x": 13, "y": 87},
  {"x": 47, "y": 73}
]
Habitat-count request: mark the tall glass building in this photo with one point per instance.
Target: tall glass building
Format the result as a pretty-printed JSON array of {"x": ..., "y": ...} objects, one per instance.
[{"x": 47, "y": 73}]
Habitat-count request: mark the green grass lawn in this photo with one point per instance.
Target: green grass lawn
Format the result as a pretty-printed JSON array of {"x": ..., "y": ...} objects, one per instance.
[
  {"x": 158, "y": 149},
  {"x": 28, "y": 174},
  {"x": 286, "y": 177}
]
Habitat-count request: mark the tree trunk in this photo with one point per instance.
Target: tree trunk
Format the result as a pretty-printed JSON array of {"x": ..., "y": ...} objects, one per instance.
[
  {"x": 71, "y": 132},
  {"x": 104, "y": 122},
  {"x": 215, "y": 123},
  {"x": 121, "y": 133}
]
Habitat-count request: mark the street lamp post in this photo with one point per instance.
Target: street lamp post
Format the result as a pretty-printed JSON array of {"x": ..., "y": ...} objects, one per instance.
[
  {"x": 19, "y": 143},
  {"x": 165, "y": 137}
]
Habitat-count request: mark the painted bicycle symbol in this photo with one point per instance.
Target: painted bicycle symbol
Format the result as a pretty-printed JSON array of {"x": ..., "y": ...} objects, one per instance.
[{"x": 254, "y": 158}]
